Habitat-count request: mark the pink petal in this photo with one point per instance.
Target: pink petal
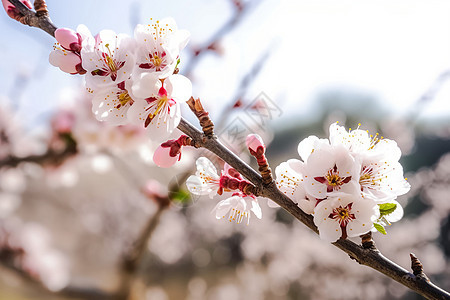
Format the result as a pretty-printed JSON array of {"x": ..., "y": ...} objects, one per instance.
[
  {"x": 254, "y": 141},
  {"x": 66, "y": 37},
  {"x": 11, "y": 10},
  {"x": 66, "y": 61},
  {"x": 162, "y": 158}
]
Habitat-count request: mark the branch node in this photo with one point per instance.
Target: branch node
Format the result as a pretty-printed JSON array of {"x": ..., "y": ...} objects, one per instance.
[
  {"x": 417, "y": 268},
  {"x": 188, "y": 141},
  {"x": 203, "y": 116},
  {"x": 367, "y": 242},
  {"x": 41, "y": 8}
]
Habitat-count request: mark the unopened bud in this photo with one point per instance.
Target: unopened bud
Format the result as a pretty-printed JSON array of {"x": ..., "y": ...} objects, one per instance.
[
  {"x": 254, "y": 141},
  {"x": 163, "y": 157},
  {"x": 69, "y": 39},
  {"x": 12, "y": 11}
]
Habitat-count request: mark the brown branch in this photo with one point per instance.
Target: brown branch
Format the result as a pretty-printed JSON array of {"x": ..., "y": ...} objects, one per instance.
[
  {"x": 371, "y": 258},
  {"x": 68, "y": 292},
  {"x": 134, "y": 257},
  {"x": 51, "y": 157},
  {"x": 37, "y": 19},
  {"x": 368, "y": 257}
]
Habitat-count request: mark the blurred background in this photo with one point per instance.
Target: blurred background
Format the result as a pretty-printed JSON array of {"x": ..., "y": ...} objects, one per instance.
[{"x": 85, "y": 214}]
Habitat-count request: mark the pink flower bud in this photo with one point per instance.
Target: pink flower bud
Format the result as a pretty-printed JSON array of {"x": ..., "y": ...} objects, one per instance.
[
  {"x": 162, "y": 157},
  {"x": 63, "y": 122},
  {"x": 11, "y": 10},
  {"x": 65, "y": 60},
  {"x": 69, "y": 39},
  {"x": 254, "y": 141}
]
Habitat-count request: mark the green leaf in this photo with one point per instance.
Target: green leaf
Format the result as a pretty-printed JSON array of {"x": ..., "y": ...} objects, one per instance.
[
  {"x": 181, "y": 196},
  {"x": 387, "y": 208},
  {"x": 379, "y": 228},
  {"x": 178, "y": 62}
]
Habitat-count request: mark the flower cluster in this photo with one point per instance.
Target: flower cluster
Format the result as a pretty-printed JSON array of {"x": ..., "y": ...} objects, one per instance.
[
  {"x": 132, "y": 80},
  {"x": 348, "y": 182},
  {"x": 206, "y": 181}
]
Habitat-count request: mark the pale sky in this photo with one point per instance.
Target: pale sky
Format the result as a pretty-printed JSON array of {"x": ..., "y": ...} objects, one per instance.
[{"x": 393, "y": 49}]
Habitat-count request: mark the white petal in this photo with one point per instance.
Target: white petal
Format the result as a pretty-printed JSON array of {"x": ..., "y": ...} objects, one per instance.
[
  {"x": 329, "y": 230},
  {"x": 222, "y": 208},
  {"x": 106, "y": 107},
  {"x": 309, "y": 145},
  {"x": 181, "y": 88},
  {"x": 307, "y": 205},
  {"x": 195, "y": 186},
  {"x": 137, "y": 113},
  {"x": 207, "y": 167},
  {"x": 84, "y": 31},
  {"x": 164, "y": 124},
  {"x": 272, "y": 204},
  {"x": 146, "y": 85},
  {"x": 256, "y": 209},
  {"x": 358, "y": 227}
]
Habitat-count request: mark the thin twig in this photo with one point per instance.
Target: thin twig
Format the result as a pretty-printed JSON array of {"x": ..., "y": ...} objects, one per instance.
[{"x": 219, "y": 34}]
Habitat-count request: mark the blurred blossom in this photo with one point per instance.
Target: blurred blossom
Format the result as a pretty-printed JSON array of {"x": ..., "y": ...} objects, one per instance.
[
  {"x": 101, "y": 163},
  {"x": 170, "y": 245},
  {"x": 201, "y": 257},
  {"x": 400, "y": 131},
  {"x": 197, "y": 288},
  {"x": 8, "y": 203},
  {"x": 12, "y": 180},
  {"x": 39, "y": 258},
  {"x": 156, "y": 293},
  {"x": 65, "y": 175}
]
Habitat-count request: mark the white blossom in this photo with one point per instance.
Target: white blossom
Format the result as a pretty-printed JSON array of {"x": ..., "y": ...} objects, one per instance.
[
  {"x": 290, "y": 181},
  {"x": 238, "y": 208},
  {"x": 381, "y": 178},
  {"x": 159, "y": 45},
  {"x": 205, "y": 181},
  {"x": 111, "y": 104},
  {"x": 157, "y": 103},
  {"x": 345, "y": 215},
  {"x": 331, "y": 170},
  {"x": 108, "y": 58}
]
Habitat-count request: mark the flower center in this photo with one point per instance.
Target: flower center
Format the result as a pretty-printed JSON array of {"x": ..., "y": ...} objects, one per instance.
[
  {"x": 342, "y": 215},
  {"x": 374, "y": 140},
  {"x": 237, "y": 215},
  {"x": 109, "y": 61},
  {"x": 124, "y": 98},
  {"x": 162, "y": 101},
  {"x": 370, "y": 178},
  {"x": 156, "y": 60},
  {"x": 333, "y": 180}
]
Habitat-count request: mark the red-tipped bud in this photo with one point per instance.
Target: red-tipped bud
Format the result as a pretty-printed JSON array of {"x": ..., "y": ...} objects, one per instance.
[
  {"x": 69, "y": 39},
  {"x": 168, "y": 153},
  {"x": 165, "y": 157},
  {"x": 63, "y": 122},
  {"x": 12, "y": 11},
  {"x": 254, "y": 142}
]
